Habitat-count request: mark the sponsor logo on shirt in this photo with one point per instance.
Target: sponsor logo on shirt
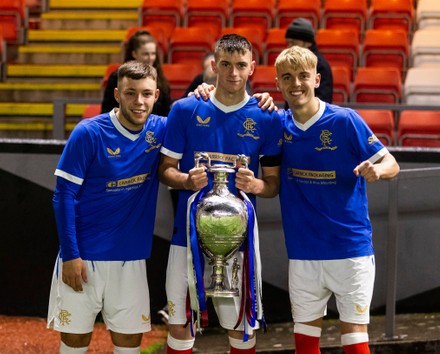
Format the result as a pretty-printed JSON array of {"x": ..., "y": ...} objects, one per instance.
[
  {"x": 309, "y": 174},
  {"x": 128, "y": 181},
  {"x": 203, "y": 122},
  {"x": 114, "y": 153},
  {"x": 249, "y": 129},
  {"x": 372, "y": 139},
  {"x": 326, "y": 141},
  {"x": 151, "y": 140}
]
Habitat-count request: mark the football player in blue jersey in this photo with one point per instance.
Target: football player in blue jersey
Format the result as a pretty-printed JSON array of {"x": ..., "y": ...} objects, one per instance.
[
  {"x": 328, "y": 155},
  {"x": 105, "y": 205},
  {"x": 227, "y": 124}
]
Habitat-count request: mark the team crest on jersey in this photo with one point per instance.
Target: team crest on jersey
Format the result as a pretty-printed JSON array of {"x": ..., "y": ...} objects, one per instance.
[
  {"x": 288, "y": 138},
  {"x": 249, "y": 129},
  {"x": 64, "y": 317},
  {"x": 203, "y": 122},
  {"x": 372, "y": 139},
  {"x": 326, "y": 141},
  {"x": 114, "y": 153},
  {"x": 151, "y": 140}
]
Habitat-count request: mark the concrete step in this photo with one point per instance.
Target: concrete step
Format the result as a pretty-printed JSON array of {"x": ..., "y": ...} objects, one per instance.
[
  {"x": 76, "y": 36},
  {"x": 44, "y": 91},
  {"x": 95, "y": 4},
  {"x": 62, "y": 54},
  {"x": 70, "y": 20},
  {"x": 31, "y": 128},
  {"x": 47, "y": 70}
]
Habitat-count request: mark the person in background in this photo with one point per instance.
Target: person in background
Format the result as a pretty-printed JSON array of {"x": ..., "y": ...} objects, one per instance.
[
  {"x": 208, "y": 77},
  {"x": 105, "y": 206},
  {"x": 143, "y": 47},
  {"x": 328, "y": 156},
  {"x": 229, "y": 123},
  {"x": 301, "y": 33}
]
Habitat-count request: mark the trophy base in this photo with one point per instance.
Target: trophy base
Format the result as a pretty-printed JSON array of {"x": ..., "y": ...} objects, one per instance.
[{"x": 221, "y": 293}]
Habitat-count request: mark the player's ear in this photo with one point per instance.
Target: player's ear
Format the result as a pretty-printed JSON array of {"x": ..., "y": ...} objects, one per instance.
[{"x": 116, "y": 94}]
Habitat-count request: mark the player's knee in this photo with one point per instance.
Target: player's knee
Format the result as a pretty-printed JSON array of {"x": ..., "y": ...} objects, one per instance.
[
  {"x": 126, "y": 340},
  {"x": 74, "y": 343},
  {"x": 180, "y": 332}
]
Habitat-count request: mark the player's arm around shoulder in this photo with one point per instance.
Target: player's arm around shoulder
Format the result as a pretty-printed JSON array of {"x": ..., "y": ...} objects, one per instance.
[{"x": 385, "y": 168}]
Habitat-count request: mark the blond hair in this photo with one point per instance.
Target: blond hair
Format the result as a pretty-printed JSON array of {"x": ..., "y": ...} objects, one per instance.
[{"x": 297, "y": 58}]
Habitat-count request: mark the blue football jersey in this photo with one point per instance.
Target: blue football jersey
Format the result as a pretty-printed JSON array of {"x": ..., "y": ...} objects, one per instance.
[
  {"x": 223, "y": 132},
  {"x": 324, "y": 205},
  {"x": 116, "y": 170}
]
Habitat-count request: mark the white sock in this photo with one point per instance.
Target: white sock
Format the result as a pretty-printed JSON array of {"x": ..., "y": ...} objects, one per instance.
[
  {"x": 307, "y": 330},
  {"x": 125, "y": 350},
  {"x": 239, "y": 344},
  {"x": 64, "y": 349},
  {"x": 180, "y": 344},
  {"x": 354, "y": 338}
]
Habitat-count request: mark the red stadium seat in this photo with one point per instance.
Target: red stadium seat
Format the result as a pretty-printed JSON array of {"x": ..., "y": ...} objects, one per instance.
[
  {"x": 179, "y": 77},
  {"x": 91, "y": 110},
  {"x": 14, "y": 20},
  {"x": 340, "y": 47},
  {"x": 275, "y": 43},
  {"x": 341, "y": 84},
  {"x": 263, "y": 80},
  {"x": 3, "y": 56},
  {"x": 391, "y": 15},
  {"x": 190, "y": 45},
  {"x": 419, "y": 128},
  {"x": 213, "y": 14},
  {"x": 165, "y": 13},
  {"x": 254, "y": 37},
  {"x": 252, "y": 13},
  {"x": 385, "y": 48},
  {"x": 377, "y": 85},
  {"x": 347, "y": 14},
  {"x": 288, "y": 10},
  {"x": 381, "y": 122}
]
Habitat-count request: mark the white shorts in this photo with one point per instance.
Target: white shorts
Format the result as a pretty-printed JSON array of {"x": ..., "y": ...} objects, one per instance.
[
  {"x": 119, "y": 290},
  {"x": 311, "y": 284},
  {"x": 227, "y": 309}
]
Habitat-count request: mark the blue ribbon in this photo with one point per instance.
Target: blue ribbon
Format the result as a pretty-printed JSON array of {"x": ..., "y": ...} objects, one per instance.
[{"x": 198, "y": 259}]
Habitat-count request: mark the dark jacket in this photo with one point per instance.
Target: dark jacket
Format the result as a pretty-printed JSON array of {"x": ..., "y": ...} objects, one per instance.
[{"x": 325, "y": 89}]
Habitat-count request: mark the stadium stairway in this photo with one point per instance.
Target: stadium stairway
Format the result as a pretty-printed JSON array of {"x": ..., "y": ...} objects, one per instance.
[{"x": 65, "y": 57}]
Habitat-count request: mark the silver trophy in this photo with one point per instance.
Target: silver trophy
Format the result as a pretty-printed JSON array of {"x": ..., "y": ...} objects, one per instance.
[{"x": 221, "y": 225}]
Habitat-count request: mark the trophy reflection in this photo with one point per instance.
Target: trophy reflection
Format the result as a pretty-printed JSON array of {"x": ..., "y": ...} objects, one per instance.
[{"x": 221, "y": 225}]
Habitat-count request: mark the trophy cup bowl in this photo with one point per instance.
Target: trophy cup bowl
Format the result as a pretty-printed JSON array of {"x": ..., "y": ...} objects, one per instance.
[{"x": 221, "y": 225}]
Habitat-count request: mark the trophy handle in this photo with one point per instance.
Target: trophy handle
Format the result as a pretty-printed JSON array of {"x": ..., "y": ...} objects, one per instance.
[
  {"x": 201, "y": 156},
  {"x": 243, "y": 159}
]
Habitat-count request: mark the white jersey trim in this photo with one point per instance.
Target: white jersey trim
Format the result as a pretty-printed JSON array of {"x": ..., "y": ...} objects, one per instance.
[
  {"x": 313, "y": 119},
  {"x": 170, "y": 153},
  {"x": 120, "y": 128},
  {"x": 228, "y": 109},
  {"x": 378, "y": 155},
  {"x": 69, "y": 177}
]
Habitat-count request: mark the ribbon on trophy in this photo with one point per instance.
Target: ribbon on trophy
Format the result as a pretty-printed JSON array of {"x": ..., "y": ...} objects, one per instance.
[
  {"x": 195, "y": 267},
  {"x": 251, "y": 309}
]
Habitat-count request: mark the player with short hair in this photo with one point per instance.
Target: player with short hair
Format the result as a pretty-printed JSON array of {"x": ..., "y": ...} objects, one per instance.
[
  {"x": 105, "y": 205},
  {"x": 227, "y": 124},
  {"x": 329, "y": 153}
]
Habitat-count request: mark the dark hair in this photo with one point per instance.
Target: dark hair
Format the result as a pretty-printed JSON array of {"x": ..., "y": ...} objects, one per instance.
[
  {"x": 138, "y": 39},
  {"x": 232, "y": 43},
  {"x": 136, "y": 70}
]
